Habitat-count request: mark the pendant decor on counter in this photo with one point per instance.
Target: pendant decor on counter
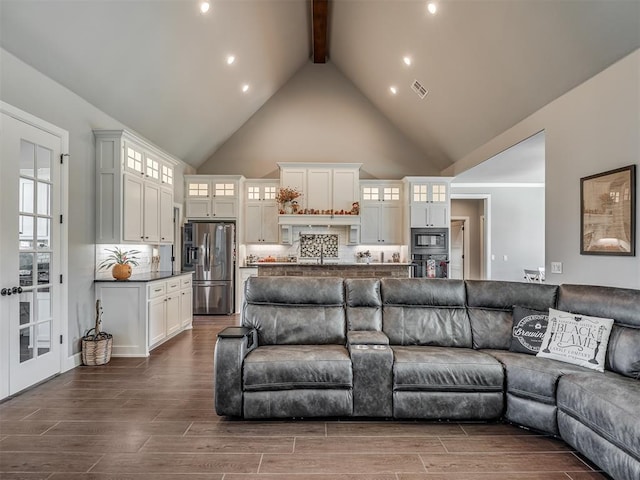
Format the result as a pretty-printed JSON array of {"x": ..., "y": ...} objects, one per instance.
[{"x": 121, "y": 272}]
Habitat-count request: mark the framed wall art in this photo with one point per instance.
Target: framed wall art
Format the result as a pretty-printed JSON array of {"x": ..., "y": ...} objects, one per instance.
[{"x": 608, "y": 212}]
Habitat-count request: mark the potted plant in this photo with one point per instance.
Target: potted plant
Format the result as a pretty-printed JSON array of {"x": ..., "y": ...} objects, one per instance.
[
  {"x": 120, "y": 262},
  {"x": 285, "y": 196}
]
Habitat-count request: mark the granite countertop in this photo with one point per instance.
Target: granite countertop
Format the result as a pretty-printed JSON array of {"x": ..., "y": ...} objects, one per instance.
[{"x": 141, "y": 277}]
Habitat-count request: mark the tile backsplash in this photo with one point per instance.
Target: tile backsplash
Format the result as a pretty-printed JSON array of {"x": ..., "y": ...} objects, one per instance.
[{"x": 313, "y": 245}]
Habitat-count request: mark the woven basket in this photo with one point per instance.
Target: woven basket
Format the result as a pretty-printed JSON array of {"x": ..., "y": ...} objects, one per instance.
[{"x": 96, "y": 349}]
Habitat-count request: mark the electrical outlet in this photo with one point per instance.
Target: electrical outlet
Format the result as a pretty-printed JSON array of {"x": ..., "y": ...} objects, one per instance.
[{"x": 556, "y": 267}]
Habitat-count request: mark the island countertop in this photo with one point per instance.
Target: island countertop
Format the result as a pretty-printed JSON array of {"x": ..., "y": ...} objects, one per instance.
[
  {"x": 349, "y": 270},
  {"x": 141, "y": 277}
]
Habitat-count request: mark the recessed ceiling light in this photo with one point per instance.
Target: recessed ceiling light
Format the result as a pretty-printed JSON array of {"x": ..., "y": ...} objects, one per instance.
[
  {"x": 230, "y": 59},
  {"x": 245, "y": 88},
  {"x": 432, "y": 7},
  {"x": 205, "y": 6},
  {"x": 407, "y": 60},
  {"x": 393, "y": 90}
]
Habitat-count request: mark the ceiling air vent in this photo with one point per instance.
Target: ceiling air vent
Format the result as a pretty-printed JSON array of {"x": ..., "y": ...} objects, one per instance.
[{"x": 417, "y": 87}]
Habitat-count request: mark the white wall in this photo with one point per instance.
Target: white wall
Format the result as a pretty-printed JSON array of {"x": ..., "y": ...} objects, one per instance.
[
  {"x": 319, "y": 116},
  {"x": 516, "y": 224},
  {"x": 29, "y": 90},
  {"x": 593, "y": 128}
]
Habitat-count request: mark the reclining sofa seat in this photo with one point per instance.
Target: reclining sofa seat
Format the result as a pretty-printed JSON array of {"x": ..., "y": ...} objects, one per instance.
[
  {"x": 436, "y": 372},
  {"x": 293, "y": 362},
  {"x": 599, "y": 413}
]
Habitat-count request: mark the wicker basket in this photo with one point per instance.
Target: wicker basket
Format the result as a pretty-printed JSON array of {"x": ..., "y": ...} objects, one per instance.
[{"x": 96, "y": 348}]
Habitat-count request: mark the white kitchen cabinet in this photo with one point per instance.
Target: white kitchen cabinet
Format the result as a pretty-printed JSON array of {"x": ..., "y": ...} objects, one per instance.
[
  {"x": 261, "y": 212},
  {"x": 212, "y": 196},
  {"x": 130, "y": 173},
  {"x": 429, "y": 201},
  {"x": 325, "y": 186},
  {"x": 186, "y": 302},
  {"x": 429, "y": 215},
  {"x": 143, "y": 314},
  {"x": 245, "y": 273},
  {"x": 166, "y": 215},
  {"x": 381, "y": 223}
]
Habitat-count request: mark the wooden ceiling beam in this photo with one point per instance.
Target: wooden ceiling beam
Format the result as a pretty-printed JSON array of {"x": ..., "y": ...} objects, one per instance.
[{"x": 320, "y": 47}]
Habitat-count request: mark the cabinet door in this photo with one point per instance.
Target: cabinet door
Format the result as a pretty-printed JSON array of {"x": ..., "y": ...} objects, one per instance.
[
  {"x": 157, "y": 326},
  {"x": 253, "y": 221},
  {"x": 438, "y": 216},
  {"x": 133, "y": 159},
  {"x": 166, "y": 216},
  {"x": 269, "y": 222},
  {"x": 166, "y": 175},
  {"x": 319, "y": 191},
  {"x": 174, "y": 318},
  {"x": 151, "y": 168},
  {"x": 198, "y": 208},
  {"x": 345, "y": 188},
  {"x": 132, "y": 208},
  {"x": 420, "y": 215},
  {"x": 438, "y": 192},
  {"x": 151, "y": 216},
  {"x": 296, "y": 178},
  {"x": 369, "y": 223},
  {"x": 390, "y": 224},
  {"x": 225, "y": 207},
  {"x": 186, "y": 308}
]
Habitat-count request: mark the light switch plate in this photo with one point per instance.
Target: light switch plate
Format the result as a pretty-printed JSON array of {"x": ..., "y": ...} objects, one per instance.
[{"x": 556, "y": 267}]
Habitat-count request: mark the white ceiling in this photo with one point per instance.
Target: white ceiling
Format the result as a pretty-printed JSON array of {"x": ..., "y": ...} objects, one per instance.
[
  {"x": 522, "y": 163},
  {"x": 159, "y": 67}
]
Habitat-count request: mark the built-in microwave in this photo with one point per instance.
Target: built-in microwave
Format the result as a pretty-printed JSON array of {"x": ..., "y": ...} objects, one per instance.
[{"x": 429, "y": 240}]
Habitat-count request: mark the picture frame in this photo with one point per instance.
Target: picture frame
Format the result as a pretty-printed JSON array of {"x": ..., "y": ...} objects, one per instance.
[{"x": 608, "y": 213}]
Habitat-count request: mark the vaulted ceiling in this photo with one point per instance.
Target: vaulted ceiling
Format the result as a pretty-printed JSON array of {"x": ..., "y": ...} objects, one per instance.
[{"x": 160, "y": 66}]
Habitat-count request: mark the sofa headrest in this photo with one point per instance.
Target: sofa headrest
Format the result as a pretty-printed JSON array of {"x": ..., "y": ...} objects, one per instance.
[
  {"x": 318, "y": 291},
  {"x": 423, "y": 292},
  {"x": 621, "y": 304},
  {"x": 497, "y": 295},
  {"x": 363, "y": 292}
]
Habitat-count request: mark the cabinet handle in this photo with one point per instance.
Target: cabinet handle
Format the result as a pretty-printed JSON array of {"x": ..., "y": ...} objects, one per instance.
[{"x": 158, "y": 290}]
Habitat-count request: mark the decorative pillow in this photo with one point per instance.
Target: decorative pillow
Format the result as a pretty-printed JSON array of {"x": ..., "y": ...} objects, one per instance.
[
  {"x": 528, "y": 329},
  {"x": 576, "y": 339}
]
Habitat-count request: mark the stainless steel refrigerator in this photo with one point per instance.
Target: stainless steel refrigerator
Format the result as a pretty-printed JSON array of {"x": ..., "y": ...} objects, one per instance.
[{"x": 208, "y": 250}]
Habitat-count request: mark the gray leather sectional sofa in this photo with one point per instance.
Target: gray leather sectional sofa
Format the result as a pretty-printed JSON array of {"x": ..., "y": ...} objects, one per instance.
[{"x": 431, "y": 349}]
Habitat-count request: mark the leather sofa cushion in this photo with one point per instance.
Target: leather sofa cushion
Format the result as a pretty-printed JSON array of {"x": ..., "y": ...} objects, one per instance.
[
  {"x": 606, "y": 403},
  {"x": 425, "y": 312},
  {"x": 364, "y": 304},
  {"x": 621, "y": 304},
  {"x": 295, "y": 311},
  {"x": 296, "y": 325},
  {"x": 286, "y": 367},
  {"x": 490, "y": 308},
  {"x": 366, "y": 337},
  {"x": 532, "y": 377},
  {"x": 441, "y": 369}
]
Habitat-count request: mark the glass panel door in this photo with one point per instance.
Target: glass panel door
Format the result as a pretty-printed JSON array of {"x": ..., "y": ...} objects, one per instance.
[{"x": 29, "y": 255}]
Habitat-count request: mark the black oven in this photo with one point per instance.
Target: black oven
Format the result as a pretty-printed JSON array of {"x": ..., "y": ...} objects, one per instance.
[
  {"x": 430, "y": 240},
  {"x": 430, "y": 252}
]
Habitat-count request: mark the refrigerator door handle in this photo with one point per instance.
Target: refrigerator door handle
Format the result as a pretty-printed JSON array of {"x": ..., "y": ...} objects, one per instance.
[{"x": 206, "y": 252}]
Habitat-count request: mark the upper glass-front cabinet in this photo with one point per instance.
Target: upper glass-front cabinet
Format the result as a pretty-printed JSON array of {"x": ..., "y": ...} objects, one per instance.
[
  {"x": 166, "y": 175},
  {"x": 256, "y": 193},
  {"x": 429, "y": 192},
  {"x": 380, "y": 193},
  {"x": 134, "y": 159}
]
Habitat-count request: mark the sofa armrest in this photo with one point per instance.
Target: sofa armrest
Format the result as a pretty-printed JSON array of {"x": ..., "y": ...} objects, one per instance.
[
  {"x": 372, "y": 362},
  {"x": 366, "y": 337},
  {"x": 233, "y": 344}
]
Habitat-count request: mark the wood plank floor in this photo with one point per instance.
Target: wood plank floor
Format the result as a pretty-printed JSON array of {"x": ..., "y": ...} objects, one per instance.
[{"x": 144, "y": 419}]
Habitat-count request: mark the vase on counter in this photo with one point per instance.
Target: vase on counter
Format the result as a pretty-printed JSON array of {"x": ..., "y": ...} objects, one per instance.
[
  {"x": 288, "y": 208},
  {"x": 121, "y": 271}
]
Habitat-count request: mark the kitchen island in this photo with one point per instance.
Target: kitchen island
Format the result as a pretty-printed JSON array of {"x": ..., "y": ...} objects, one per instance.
[{"x": 345, "y": 270}]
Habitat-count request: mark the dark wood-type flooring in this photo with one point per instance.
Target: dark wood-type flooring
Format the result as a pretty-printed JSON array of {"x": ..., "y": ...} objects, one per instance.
[{"x": 153, "y": 419}]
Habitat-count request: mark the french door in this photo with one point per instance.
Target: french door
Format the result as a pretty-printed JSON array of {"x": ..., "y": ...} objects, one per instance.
[{"x": 30, "y": 255}]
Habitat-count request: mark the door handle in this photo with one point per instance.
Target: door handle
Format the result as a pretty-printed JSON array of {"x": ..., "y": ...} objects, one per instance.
[{"x": 9, "y": 291}]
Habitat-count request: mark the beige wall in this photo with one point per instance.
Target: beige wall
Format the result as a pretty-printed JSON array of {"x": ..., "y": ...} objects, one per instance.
[
  {"x": 473, "y": 209},
  {"x": 593, "y": 128},
  {"x": 319, "y": 116}
]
